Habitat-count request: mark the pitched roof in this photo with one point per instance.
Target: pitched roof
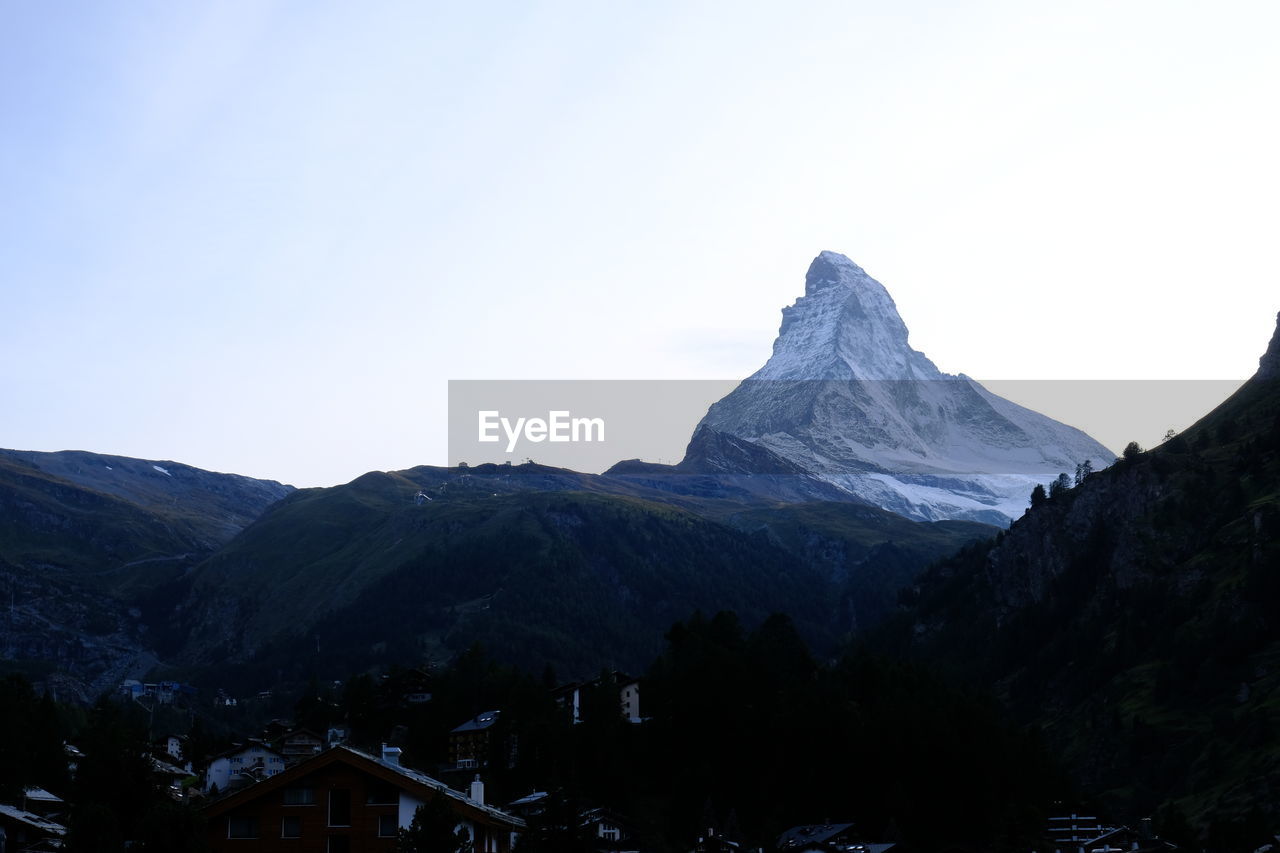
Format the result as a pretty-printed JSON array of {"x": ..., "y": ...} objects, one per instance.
[
  {"x": 167, "y": 769},
  {"x": 245, "y": 747},
  {"x": 480, "y": 722},
  {"x": 43, "y": 824},
  {"x": 403, "y": 777},
  {"x": 297, "y": 732},
  {"x": 811, "y": 834},
  {"x": 816, "y": 835},
  {"x": 536, "y": 796}
]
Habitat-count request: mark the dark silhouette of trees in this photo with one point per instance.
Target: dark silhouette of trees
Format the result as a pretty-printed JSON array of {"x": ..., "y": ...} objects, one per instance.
[{"x": 434, "y": 829}]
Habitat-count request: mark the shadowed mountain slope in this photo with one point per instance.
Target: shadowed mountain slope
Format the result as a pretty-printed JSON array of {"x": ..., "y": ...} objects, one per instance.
[{"x": 1136, "y": 617}]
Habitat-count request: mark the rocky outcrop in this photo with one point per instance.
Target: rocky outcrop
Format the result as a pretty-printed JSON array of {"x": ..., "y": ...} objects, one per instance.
[{"x": 1269, "y": 364}]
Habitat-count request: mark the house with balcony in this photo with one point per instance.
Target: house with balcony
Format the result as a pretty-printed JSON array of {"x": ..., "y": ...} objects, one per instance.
[
  {"x": 345, "y": 800},
  {"x": 242, "y": 765}
]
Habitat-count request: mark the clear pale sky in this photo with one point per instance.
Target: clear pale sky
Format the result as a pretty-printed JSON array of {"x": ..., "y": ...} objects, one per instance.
[{"x": 260, "y": 237}]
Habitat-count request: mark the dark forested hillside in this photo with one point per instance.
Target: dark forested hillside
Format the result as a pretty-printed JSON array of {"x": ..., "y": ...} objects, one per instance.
[
  {"x": 581, "y": 581},
  {"x": 115, "y": 565},
  {"x": 1136, "y": 617},
  {"x": 867, "y": 552},
  {"x": 422, "y": 563}
]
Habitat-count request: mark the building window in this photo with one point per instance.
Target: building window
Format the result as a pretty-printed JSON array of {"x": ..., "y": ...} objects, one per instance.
[
  {"x": 382, "y": 795},
  {"x": 299, "y": 796},
  {"x": 242, "y": 827},
  {"x": 388, "y": 825},
  {"x": 339, "y": 807},
  {"x": 466, "y": 763},
  {"x": 339, "y": 844},
  {"x": 291, "y": 827}
]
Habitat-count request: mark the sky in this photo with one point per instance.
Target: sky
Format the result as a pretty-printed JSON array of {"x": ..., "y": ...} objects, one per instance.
[{"x": 262, "y": 237}]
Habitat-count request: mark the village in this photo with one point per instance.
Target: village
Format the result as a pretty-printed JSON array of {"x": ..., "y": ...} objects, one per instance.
[{"x": 291, "y": 787}]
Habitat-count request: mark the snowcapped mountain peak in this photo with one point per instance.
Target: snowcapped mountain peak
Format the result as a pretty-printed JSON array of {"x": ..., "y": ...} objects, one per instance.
[
  {"x": 846, "y": 326},
  {"x": 846, "y": 398},
  {"x": 832, "y": 269}
]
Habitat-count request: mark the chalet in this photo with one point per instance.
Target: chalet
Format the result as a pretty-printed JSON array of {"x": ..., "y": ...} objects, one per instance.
[
  {"x": 606, "y": 831},
  {"x": 176, "y": 747},
  {"x": 242, "y": 765},
  {"x": 568, "y": 697},
  {"x": 470, "y": 744},
  {"x": 160, "y": 692},
  {"x": 347, "y": 800},
  {"x": 1066, "y": 832},
  {"x": 41, "y": 802},
  {"x": 533, "y": 805},
  {"x": 168, "y": 777},
  {"x": 826, "y": 838},
  {"x": 629, "y": 697},
  {"x": 1086, "y": 834},
  {"x": 298, "y": 745},
  {"x": 407, "y": 687},
  {"x": 573, "y": 696},
  {"x": 277, "y": 729},
  {"x": 24, "y": 830}
]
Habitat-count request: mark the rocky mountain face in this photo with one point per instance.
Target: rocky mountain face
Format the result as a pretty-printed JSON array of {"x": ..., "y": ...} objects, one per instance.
[
  {"x": 1269, "y": 364},
  {"x": 85, "y": 539},
  {"x": 847, "y": 401},
  {"x": 1133, "y": 618},
  {"x": 724, "y": 467}
]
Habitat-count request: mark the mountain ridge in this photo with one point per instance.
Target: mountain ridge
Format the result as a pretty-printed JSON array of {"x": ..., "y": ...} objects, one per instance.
[
  {"x": 322, "y": 555},
  {"x": 86, "y": 538}
]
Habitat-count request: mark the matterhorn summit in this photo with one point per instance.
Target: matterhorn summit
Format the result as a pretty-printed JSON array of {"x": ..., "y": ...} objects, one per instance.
[{"x": 846, "y": 399}]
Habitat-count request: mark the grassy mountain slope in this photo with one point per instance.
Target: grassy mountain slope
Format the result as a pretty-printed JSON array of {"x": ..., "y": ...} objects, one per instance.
[
  {"x": 575, "y": 579},
  {"x": 539, "y": 564}
]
